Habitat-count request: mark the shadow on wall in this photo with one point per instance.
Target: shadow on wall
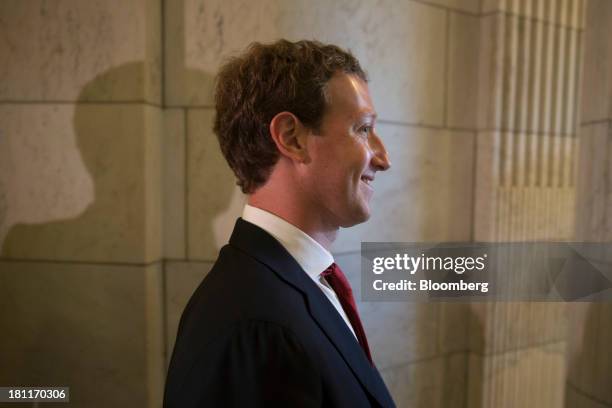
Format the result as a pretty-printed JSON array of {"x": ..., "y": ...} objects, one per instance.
[
  {"x": 590, "y": 361},
  {"x": 111, "y": 138},
  {"x": 119, "y": 143},
  {"x": 84, "y": 324}
]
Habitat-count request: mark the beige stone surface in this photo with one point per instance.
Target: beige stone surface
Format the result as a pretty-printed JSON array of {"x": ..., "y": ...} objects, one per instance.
[
  {"x": 525, "y": 186},
  {"x": 528, "y": 75},
  {"x": 427, "y": 193},
  {"x": 83, "y": 182},
  {"x": 490, "y": 69},
  {"x": 533, "y": 377},
  {"x": 461, "y": 103},
  {"x": 485, "y": 185},
  {"x": 43, "y": 176},
  {"x": 568, "y": 13},
  {"x": 589, "y": 362},
  {"x": 501, "y": 326},
  {"x": 597, "y": 65},
  {"x": 214, "y": 202},
  {"x": 593, "y": 222},
  {"x": 578, "y": 399},
  {"x": 94, "y": 328},
  {"x": 50, "y": 50},
  {"x": 174, "y": 188},
  {"x": 453, "y": 326},
  {"x": 400, "y": 43},
  {"x": 181, "y": 280},
  {"x": 470, "y": 6},
  {"x": 433, "y": 383}
]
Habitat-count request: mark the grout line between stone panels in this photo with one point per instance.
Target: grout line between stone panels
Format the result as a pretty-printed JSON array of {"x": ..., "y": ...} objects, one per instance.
[
  {"x": 425, "y": 359},
  {"x": 184, "y": 260},
  {"x": 78, "y": 102},
  {"x": 424, "y": 126},
  {"x": 164, "y": 300},
  {"x": 190, "y": 106},
  {"x": 477, "y": 130},
  {"x": 587, "y": 395},
  {"x": 515, "y": 349},
  {"x": 446, "y": 70},
  {"x": 474, "y": 179},
  {"x": 466, "y": 368},
  {"x": 186, "y": 178},
  {"x": 529, "y": 132},
  {"x": 349, "y": 252},
  {"x": 93, "y": 263},
  {"x": 439, "y": 6},
  {"x": 596, "y": 122},
  {"x": 532, "y": 19},
  {"x": 358, "y": 251},
  {"x": 72, "y": 262},
  {"x": 163, "y": 52},
  {"x": 577, "y": 113}
]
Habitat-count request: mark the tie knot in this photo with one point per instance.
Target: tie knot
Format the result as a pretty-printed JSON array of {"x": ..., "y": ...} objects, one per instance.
[{"x": 331, "y": 270}]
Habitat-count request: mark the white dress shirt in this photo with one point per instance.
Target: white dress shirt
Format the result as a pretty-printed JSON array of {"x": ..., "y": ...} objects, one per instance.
[{"x": 309, "y": 254}]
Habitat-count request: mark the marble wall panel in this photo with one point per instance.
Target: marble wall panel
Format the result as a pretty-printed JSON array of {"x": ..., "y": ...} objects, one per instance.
[
  {"x": 427, "y": 193},
  {"x": 52, "y": 49},
  {"x": 526, "y": 186},
  {"x": 181, "y": 280},
  {"x": 398, "y": 332},
  {"x": 432, "y": 383},
  {"x": 174, "y": 179},
  {"x": 95, "y": 328},
  {"x": 461, "y": 103},
  {"x": 529, "y": 74},
  {"x": 467, "y": 6},
  {"x": 589, "y": 362},
  {"x": 400, "y": 43},
  {"x": 490, "y": 67},
  {"x": 594, "y": 189},
  {"x": 83, "y": 182},
  {"x": 213, "y": 199},
  {"x": 597, "y": 76},
  {"x": 533, "y": 377},
  {"x": 453, "y": 326},
  {"x": 563, "y": 12},
  {"x": 576, "y": 398},
  {"x": 498, "y": 327}
]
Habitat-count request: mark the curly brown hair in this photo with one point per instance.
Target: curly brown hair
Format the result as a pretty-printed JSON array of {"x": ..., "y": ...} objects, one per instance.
[{"x": 268, "y": 79}]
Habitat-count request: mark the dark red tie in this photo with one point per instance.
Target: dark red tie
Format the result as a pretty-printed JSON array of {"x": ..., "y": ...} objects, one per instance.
[{"x": 341, "y": 286}]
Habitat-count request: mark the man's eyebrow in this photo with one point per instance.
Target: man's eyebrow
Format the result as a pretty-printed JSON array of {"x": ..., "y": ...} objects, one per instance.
[{"x": 368, "y": 115}]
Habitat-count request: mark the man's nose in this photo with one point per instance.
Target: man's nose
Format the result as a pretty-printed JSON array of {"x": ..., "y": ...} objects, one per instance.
[{"x": 380, "y": 159}]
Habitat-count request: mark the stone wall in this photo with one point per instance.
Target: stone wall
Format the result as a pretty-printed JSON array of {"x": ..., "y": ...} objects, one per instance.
[
  {"x": 81, "y": 270},
  {"x": 114, "y": 197},
  {"x": 589, "y": 360}
]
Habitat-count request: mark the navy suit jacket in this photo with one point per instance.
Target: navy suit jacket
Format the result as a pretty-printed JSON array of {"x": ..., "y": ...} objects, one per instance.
[{"x": 258, "y": 332}]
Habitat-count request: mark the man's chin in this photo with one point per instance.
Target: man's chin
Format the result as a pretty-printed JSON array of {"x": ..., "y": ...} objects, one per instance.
[{"x": 358, "y": 218}]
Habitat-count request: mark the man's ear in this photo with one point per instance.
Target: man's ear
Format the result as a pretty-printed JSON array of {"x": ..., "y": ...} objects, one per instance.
[{"x": 289, "y": 135}]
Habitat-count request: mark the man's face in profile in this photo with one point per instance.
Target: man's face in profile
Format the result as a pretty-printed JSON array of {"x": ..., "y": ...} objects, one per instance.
[{"x": 345, "y": 154}]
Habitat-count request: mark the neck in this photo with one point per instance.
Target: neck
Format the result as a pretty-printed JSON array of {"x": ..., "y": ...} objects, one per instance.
[{"x": 289, "y": 207}]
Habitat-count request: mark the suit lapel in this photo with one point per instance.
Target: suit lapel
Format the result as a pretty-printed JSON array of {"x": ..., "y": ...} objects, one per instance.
[{"x": 262, "y": 246}]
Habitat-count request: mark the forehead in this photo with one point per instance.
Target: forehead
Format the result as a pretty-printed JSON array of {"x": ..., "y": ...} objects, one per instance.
[{"x": 347, "y": 94}]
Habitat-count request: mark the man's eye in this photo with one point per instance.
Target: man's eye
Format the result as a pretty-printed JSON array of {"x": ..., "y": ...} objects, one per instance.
[{"x": 366, "y": 130}]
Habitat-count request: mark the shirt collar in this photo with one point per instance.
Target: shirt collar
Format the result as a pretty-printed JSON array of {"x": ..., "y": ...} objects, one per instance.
[{"x": 308, "y": 253}]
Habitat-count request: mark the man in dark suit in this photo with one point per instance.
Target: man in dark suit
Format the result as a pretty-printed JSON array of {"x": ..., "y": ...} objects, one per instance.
[{"x": 274, "y": 323}]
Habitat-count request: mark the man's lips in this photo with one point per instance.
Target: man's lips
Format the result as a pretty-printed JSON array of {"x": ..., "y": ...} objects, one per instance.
[{"x": 367, "y": 179}]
